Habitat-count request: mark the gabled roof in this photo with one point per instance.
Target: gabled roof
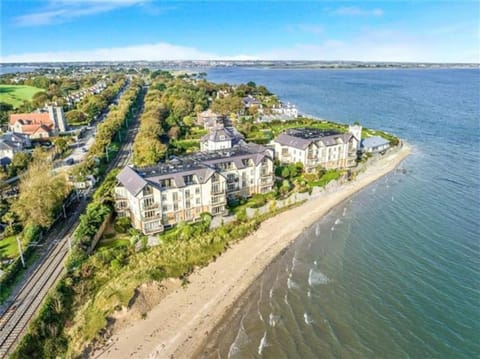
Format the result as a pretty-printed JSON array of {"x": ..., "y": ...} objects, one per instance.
[
  {"x": 31, "y": 118},
  {"x": 301, "y": 138},
  {"x": 131, "y": 180},
  {"x": 292, "y": 141}
]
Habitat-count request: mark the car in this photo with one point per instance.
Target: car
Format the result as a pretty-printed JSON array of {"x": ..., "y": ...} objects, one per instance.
[{"x": 84, "y": 150}]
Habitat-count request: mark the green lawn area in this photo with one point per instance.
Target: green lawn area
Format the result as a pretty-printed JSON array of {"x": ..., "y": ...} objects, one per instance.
[
  {"x": 8, "y": 247},
  {"x": 16, "y": 94}
]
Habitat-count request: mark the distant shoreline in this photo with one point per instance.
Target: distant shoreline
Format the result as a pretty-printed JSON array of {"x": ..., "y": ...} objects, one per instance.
[{"x": 180, "y": 324}]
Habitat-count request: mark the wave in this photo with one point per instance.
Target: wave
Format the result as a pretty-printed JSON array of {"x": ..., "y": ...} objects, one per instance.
[
  {"x": 263, "y": 343},
  {"x": 316, "y": 278},
  {"x": 241, "y": 340},
  {"x": 307, "y": 319}
]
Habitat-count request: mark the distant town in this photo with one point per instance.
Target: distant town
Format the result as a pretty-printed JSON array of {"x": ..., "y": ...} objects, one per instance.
[{"x": 199, "y": 64}]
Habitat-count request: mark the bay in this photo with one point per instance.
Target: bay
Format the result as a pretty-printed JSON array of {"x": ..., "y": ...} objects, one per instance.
[{"x": 394, "y": 271}]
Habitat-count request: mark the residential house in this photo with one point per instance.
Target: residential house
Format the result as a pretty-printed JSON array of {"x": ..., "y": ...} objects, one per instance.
[
  {"x": 209, "y": 119},
  {"x": 161, "y": 196},
  {"x": 375, "y": 144},
  {"x": 38, "y": 125},
  {"x": 314, "y": 148},
  {"x": 220, "y": 138}
]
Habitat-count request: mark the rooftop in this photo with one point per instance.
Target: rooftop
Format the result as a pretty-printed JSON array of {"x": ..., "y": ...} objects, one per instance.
[{"x": 310, "y": 133}]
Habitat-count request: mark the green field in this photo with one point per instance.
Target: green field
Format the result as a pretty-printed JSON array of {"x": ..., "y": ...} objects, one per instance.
[{"x": 16, "y": 94}]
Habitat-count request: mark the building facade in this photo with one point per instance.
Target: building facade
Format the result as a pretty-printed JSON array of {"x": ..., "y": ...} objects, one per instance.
[
  {"x": 314, "y": 148},
  {"x": 220, "y": 138},
  {"x": 159, "y": 197},
  {"x": 37, "y": 125}
]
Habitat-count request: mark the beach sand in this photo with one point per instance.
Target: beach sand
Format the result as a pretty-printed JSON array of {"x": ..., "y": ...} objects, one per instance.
[{"x": 178, "y": 326}]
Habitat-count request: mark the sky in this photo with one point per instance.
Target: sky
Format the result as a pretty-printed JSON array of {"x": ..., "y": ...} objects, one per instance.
[{"x": 125, "y": 30}]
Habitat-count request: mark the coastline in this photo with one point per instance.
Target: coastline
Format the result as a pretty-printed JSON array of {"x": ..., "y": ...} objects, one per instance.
[{"x": 179, "y": 325}]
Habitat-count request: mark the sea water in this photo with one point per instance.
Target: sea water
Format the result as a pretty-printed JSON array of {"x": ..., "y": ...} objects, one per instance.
[{"x": 393, "y": 272}]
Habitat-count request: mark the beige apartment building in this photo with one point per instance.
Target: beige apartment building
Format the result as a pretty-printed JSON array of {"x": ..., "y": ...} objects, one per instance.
[
  {"x": 314, "y": 148},
  {"x": 161, "y": 196}
]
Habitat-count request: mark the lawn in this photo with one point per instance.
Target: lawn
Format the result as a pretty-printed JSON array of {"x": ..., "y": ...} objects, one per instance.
[
  {"x": 16, "y": 94},
  {"x": 8, "y": 247}
]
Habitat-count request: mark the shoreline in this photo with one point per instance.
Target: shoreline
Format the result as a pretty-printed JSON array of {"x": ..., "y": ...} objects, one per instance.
[{"x": 180, "y": 324}]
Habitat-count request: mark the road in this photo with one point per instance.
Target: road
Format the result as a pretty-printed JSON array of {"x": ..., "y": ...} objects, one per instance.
[{"x": 25, "y": 302}]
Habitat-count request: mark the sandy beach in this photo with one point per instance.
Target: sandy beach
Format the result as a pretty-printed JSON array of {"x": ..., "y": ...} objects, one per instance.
[{"x": 178, "y": 326}]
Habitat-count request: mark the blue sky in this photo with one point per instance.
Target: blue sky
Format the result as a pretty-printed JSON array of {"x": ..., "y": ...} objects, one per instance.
[{"x": 81, "y": 30}]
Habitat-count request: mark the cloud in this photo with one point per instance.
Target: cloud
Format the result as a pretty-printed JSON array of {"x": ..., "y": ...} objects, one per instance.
[
  {"x": 357, "y": 11},
  {"x": 150, "y": 52},
  {"x": 59, "y": 11},
  {"x": 382, "y": 45}
]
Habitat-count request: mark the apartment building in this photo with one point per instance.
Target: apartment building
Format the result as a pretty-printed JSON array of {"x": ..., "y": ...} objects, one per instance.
[
  {"x": 161, "y": 196},
  {"x": 314, "y": 148}
]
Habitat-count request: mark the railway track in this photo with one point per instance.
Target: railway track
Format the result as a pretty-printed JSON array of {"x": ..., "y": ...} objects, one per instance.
[{"x": 23, "y": 307}]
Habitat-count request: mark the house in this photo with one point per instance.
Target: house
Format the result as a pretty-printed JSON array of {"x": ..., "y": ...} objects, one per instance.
[
  {"x": 220, "y": 138},
  {"x": 249, "y": 101},
  {"x": 375, "y": 144},
  {"x": 285, "y": 110},
  {"x": 164, "y": 195},
  {"x": 10, "y": 144},
  {"x": 37, "y": 125},
  {"x": 314, "y": 148},
  {"x": 209, "y": 119}
]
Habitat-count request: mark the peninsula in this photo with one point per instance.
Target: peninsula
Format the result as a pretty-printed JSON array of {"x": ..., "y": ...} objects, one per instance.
[{"x": 212, "y": 166}]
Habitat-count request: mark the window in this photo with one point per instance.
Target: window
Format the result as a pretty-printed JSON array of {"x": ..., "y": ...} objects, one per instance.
[
  {"x": 187, "y": 203},
  {"x": 189, "y": 180},
  {"x": 175, "y": 206},
  {"x": 197, "y": 190},
  {"x": 148, "y": 202},
  {"x": 175, "y": 196},
  {"x": 147, "y": 190},
  {"x": 149, "y": 214},
  {"x": 164, "y": 208},
  {"x": 197, "y": 201},
  {"x": 166, "y": 183},
  {"x": 164, "y": 197},
  {"x": 187, "y": 193}
]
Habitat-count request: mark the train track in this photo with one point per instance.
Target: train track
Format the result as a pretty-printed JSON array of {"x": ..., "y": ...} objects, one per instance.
[{"x": 24, "y": 305}]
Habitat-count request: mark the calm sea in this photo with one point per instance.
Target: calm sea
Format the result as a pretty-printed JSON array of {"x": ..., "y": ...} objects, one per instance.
[
  {"x": 394, "y": 272},
  {"x": 4, "y": 69}
]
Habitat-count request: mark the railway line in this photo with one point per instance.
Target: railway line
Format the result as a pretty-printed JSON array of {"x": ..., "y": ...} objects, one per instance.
[{"x": 25, "y": 303}]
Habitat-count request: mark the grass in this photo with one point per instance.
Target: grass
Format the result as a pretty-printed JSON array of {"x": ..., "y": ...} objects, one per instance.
[
  {"x": 8, "y": 247},
  {"x": 114, "y": 242},
  {"x": 6, "y": 290},
  {"x": 330, "y": 175},
  {"x": 15, "y": 95}
]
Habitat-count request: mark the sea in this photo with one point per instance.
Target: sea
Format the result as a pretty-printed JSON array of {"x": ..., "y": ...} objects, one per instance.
[
  {"x": 6, "y": 69},
  {"x": 394, "y": 271}
]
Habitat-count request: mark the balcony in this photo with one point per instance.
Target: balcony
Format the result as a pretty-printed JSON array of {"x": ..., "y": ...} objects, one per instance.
[
  {"x": 217, "y": 190},
  {"x": 151, "y": 218}
]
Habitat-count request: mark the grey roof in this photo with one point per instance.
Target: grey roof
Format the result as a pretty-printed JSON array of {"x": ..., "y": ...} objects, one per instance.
[
  {"x": 375, "y": 141},
  {"x": 301, "y": 138},
  {"x": 131, "y": 180},
  {"x": 202, "y": 165},
  {"x": 219, "y": 134}
]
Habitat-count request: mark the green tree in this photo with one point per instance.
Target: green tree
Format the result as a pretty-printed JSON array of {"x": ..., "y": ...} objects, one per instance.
[{"x": 41, "y": 194}]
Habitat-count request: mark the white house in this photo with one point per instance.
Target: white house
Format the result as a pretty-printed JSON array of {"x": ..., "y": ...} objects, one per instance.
[{"x": 314, "y": 148}]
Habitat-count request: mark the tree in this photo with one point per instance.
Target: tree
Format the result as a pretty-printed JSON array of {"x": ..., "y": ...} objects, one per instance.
[
  {"x": 76, "y": 117},
  {"x": 41, "y": 194},
  {"x": 61, "y": 144},
  {"x": 5, "y": 108}
]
